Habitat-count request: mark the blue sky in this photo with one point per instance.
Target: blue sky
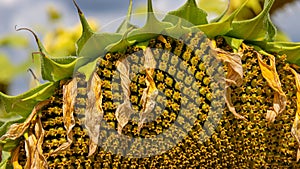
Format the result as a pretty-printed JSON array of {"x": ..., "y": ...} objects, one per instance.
[{"x": 31, "y": 14}]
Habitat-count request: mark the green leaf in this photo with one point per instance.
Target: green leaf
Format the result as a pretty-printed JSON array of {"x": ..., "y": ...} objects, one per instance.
[
  {"x": 259, "y": 28},
  {"x": 87, "y": 31},
  {"x": 233, "y": 42},
  {"x": 177, "y": 31},
  {"x": 53, "y": 68},
  {"x": 151, "y": 29},
  {"x": 291, "y": 49},
  {"x": 17, "y": 108},
  {"x": 215, "y": 6},
  {"x": 190, "y": 12},
  {"x": 54, "y": 71},
  {"x": 91, "y": 45},
  {"x": 223, "y": 26}
]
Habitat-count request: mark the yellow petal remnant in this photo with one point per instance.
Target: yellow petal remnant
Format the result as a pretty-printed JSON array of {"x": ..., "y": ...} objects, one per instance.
[
  {"x": 296, "y": 125},
  {"x": 94, "y": 112},
  {"x": 270, "y": 74}
]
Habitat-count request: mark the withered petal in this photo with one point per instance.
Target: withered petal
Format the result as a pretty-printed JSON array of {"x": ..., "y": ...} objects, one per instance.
[{"x": 270, "y": 74}]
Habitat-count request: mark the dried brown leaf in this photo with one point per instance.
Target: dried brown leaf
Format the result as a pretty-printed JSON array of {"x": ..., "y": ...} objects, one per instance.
[
  {"x": 150, "y": 92},
  {"x": 94, "y": 112},
  {"x": 17, "y": 130},
  {"x": 270, "y": 74},
  {"x": 296, "y": 125},
  {"x": 124, "y": 110}
]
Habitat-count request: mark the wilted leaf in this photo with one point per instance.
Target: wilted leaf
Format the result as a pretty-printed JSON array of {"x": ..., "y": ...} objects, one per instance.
[
  {"x": 15, "y": 158},
  {"x": 270, "y": 74},
  {"x": 94, "y": 112},
  {"x": 16, "y": 130}
]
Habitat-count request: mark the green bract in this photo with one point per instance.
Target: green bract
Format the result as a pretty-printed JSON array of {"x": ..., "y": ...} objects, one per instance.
[{"x": 258, "y": 32}]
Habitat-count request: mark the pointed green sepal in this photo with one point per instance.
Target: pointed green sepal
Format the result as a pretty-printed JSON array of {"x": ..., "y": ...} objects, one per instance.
[
  {"x": 126, "y": 25},
  {"x": 189, "y": 12},
  {"x": 259, "y": 28},
  {"x": 223, "y": 26},
  {"x": 151, "y": 29}
]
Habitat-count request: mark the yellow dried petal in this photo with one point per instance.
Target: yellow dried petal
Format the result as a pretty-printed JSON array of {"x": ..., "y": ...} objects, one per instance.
[{"x": 270, "y": 74}]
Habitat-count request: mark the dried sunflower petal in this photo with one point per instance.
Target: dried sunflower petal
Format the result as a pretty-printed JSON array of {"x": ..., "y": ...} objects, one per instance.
[
  {"x": 235, "y": 69},
  {"x": 296, "y": 125},
  {"x": 270, "y": 74},
  {"x": 69, "y": 97},
  {"x": 14, "y": 158},
  {"x": 124, "y": 110},
  {"x": 150, "y": 93},
  {"x": 94, "y": 111}
]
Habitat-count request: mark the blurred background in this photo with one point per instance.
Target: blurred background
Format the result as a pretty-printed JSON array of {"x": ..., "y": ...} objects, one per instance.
[{"x": 57, "y": 25}]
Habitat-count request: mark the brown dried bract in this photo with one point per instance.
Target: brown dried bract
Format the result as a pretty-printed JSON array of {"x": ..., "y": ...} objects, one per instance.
[{"x": 270, "y": 74}]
